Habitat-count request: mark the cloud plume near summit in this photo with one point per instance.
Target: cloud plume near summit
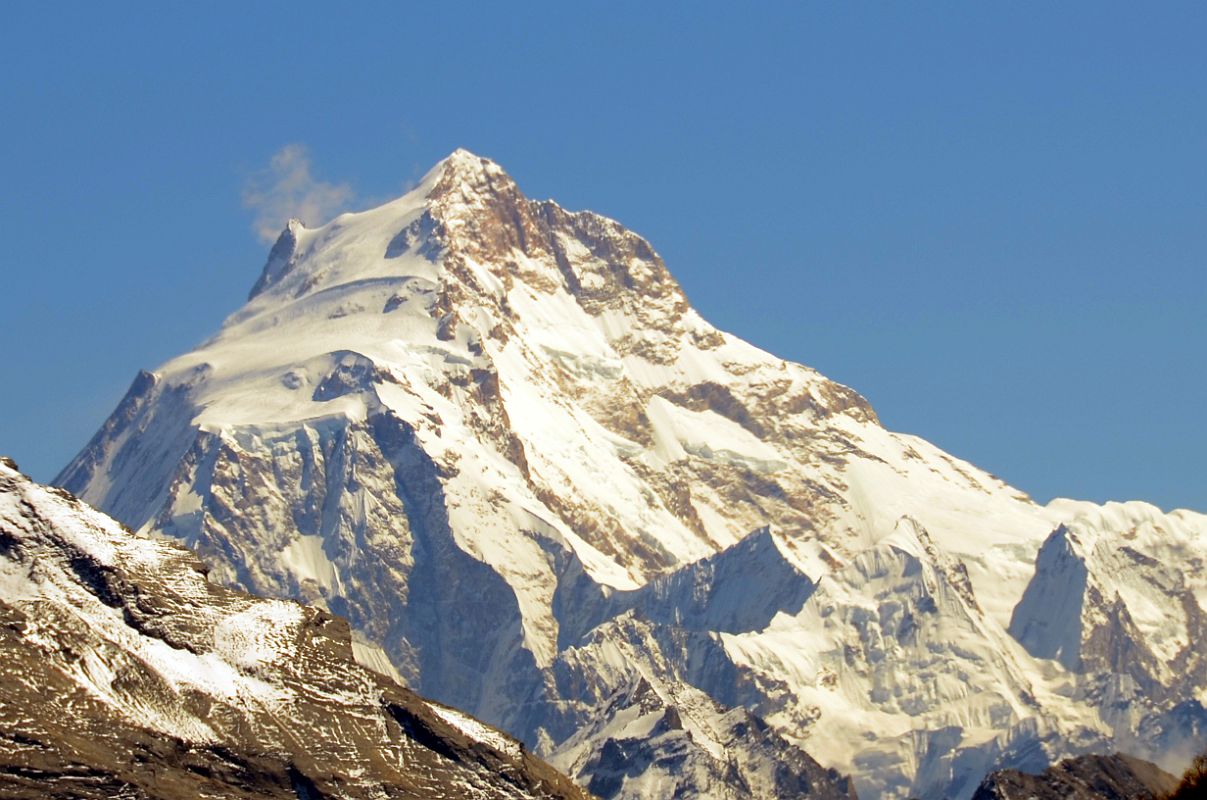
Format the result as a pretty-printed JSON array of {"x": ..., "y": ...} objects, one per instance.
[{"x": 286, "y": 188}]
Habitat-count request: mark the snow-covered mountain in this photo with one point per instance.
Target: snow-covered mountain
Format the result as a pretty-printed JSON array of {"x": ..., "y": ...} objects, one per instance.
[
  {"x": 494, "y": 434},
  {"x": 125, "y": 673}
]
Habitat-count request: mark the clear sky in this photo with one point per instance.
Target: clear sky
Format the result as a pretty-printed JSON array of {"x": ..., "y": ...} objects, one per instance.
[{"x": 990, "y": 219}]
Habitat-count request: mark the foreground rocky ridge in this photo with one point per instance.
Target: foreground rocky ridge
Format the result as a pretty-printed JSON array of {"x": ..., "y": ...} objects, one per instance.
[
  {"x": 1115, "y": 777},
  {"x": 495, "y": 436},
  {"x": 125, "y": 673}
]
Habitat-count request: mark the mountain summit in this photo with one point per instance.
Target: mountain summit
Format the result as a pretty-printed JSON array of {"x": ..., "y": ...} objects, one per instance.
[{"x": 494, "y": 434}]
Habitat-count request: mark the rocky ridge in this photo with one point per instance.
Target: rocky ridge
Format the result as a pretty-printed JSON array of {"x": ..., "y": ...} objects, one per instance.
[
  {"x": 126, "y": 673},
  {"x": 1114, "y": 777}
]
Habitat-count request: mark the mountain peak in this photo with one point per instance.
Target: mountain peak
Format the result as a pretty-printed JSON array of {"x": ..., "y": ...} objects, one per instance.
[
  {"x": 464, "y": 160},
  {"x": 280, "y": 258},
  {"x": 480, "y": 426},
  {"x": 464, "y": 177}
]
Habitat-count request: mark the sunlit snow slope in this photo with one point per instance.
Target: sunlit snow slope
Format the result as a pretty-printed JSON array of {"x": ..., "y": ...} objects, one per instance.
[{"x": 494, "y": 434}]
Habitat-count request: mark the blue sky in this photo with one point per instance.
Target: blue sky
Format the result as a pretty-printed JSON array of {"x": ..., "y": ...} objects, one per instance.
[{"x": 991, "y": 220}]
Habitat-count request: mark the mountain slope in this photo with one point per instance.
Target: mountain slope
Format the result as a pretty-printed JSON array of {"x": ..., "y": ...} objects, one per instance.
[
  {"x": 494, "y": 434},
  {"x": 125, "y": 673}
]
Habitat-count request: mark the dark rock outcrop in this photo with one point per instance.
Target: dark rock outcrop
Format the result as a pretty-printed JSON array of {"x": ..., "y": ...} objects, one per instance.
[{"x": 1117, "y": 777}]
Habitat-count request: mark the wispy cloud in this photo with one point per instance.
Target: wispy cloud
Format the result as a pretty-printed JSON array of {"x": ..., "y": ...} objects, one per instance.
[{"x": 286, "y": 188}]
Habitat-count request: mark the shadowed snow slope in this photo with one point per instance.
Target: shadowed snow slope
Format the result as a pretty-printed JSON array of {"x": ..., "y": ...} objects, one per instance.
[
  {"x": 125, "y": 673},
  {"x": 495, "y": 435}
]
